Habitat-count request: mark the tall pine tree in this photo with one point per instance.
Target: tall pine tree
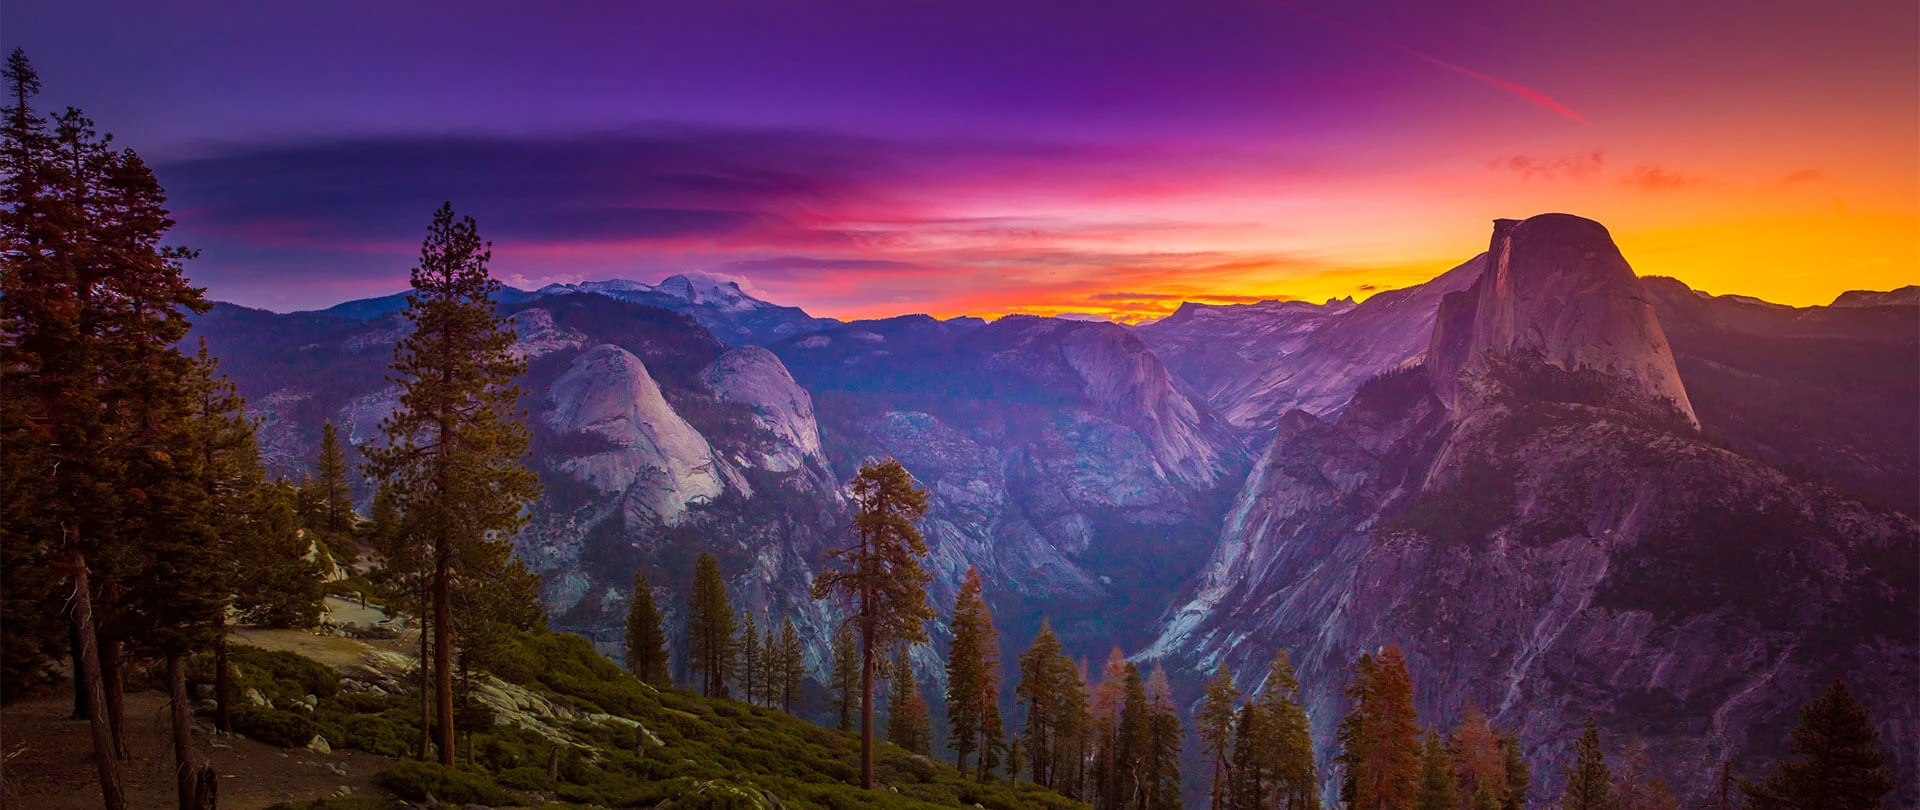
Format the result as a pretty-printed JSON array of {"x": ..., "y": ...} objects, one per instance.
[
  {"x": 846, "y": 674},
  {"x": 710, "y": 620},
  {"x": 1287, "y": 739},
  {"x": 1438, "y": 789},
  {"x": 752, "y": 660},
  {"x": 972, "y": 673},
  {"x": 882, "y": 578},
  {"x": 793, "y": 665},
  {"x": 455, "y": 446},
  {"x": 646, "y": 641}
]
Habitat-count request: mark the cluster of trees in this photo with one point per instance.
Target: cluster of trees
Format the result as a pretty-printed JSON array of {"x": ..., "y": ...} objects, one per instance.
[
  {"x": 138, "y": 519},
  {"x": 725, "y": 648}
]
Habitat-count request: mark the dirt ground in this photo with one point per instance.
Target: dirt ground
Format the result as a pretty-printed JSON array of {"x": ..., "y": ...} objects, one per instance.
[{"x": 49, "y": 761}]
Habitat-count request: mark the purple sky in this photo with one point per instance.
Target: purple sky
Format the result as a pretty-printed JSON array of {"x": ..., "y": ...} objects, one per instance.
[{"x": 861, "y": 157}]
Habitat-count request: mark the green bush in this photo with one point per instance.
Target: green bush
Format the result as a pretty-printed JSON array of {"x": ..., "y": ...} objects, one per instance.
[
  {"x": 275, "y": 726},
  {"x": 414, "y": 781}
]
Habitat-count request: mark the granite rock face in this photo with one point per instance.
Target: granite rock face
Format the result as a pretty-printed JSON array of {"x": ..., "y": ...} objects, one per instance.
[
  {"x": 652, "y": 457},
  {"x": 1555, "y": 287}
]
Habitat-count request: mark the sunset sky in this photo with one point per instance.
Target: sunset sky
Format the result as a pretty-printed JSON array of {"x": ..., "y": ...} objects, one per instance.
[{"x": 985, "y": 157}]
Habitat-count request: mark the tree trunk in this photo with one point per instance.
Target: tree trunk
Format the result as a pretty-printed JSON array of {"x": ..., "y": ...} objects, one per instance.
[
  {"x": 443, "y": 653},
  {"x": 115, "y": 682},
  {"x": 426, "y": 713},
  {"x": 184, "y": 772},
  {"x": 222, "y": 678},
  {"x": 81, "y": 707},
  {"x": 866, "y": 711},
  {"x": 87, "y": 663}
]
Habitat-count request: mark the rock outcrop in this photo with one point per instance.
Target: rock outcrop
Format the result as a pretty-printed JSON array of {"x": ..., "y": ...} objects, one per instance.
[
  {"x": 1555, "y": 287},
  {"x": 647, "y": 452},
  {"x": 755, "y": 377}
]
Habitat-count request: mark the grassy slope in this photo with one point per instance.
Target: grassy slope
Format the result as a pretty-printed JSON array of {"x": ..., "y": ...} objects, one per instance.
[{"x": 711, "y": 753}]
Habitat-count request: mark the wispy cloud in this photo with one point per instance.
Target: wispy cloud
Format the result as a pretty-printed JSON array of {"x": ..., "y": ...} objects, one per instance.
[
  {"x": 1656, "y": 178},
  {"x": 1575, "y": 166}
]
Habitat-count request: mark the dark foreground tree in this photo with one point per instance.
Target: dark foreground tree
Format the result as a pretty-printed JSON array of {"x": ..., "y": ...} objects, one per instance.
[
  {"x": 1589, "y": 783},
  {"x": 1837, "y": 761},
  {"x": 710, "y": 620},
  {"x": 455, "y": 446},
  {"x": 882, "y": 578},
  {"x": 646, "y": 641}
]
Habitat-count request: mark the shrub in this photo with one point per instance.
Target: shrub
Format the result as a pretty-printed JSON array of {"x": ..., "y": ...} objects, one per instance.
[
  {"x": 413, "y": 781},
  {"x": 275, "y": 726}
]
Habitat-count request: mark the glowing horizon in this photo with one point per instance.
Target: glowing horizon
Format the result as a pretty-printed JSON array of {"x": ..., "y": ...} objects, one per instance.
[{"x": 871, "y": 159}]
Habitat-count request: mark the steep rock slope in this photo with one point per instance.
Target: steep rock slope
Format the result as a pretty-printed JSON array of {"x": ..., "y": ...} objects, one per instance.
[
  {"x": 652, "y": 458},
  {"x": 1826, "y": 392},
  {"x": 1558, "y": 544},
  {"x": 756, "y": 378},
  {"x": 1253, "y": 363}
]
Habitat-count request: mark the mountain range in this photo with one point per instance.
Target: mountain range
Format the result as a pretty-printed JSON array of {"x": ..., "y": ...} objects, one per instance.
[{"x": 1563, "y": 489}]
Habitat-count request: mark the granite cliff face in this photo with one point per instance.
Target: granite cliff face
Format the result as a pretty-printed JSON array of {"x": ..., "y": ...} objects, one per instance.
[
  {"x": 755, "y": 377},
  {"x": 1254, "y": 363},
  {"x": 1535, "y": 519},
  {"x": 651, "y": 458}
]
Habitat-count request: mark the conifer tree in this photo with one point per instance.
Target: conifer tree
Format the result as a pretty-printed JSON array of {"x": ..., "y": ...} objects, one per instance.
[
  {"x": 972, "y": 675},
  {"x": 752, "y": 661},
  {"x": 846, "y": 673},
  {"x": 275, "y": 584},
  {"x": 1072, "y": 728},
  {"x": 1588, "y": 782},
  {"x": 908, "y": 724},
  {"x": 1215, "y": 727},
  {"x": 227, "y": 452},
  {"x": 710, "y": 620},
  {"x": 1519, "y": 777},
  {"x": 1161, "y": 764},
  {"x": 646, "y": 641},
  {"x": 333, "y": 496},
  {"x": 1249, "y": 768},
  {"x": 769, "y": 667},
  {"x": 792, "y": 665},
  {"x": 1112, "y": 777},
  {"x": 1438, "y": 788},
  {"x": 455, "y": 446},
  {"x": 1479, "y": 766},
  {"x": 1837, "y": 765},
  {"x": 1040, "y": 691},
  {"x": 1379, "y": 740},
  {"x": 1288, "y": 738},
  {"x": 883, "y": 578}
]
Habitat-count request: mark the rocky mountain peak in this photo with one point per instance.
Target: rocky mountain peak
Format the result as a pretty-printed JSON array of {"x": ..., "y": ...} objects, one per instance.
[
  {"x": 639, "y": 445},
  {"x": 1556, "y": 288}
]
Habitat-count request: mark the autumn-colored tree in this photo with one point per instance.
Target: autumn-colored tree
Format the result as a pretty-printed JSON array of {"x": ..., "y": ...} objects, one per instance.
[
  {"x": 973, "y": 674},
  {"x": 1635, "y": 786},
  {"x": 1111, "y": 777},
  {"x": 908, "y": 723},
  {"x": 882, "y": 578},
  {"x": 1837, "y": 765},
  {"x": 1479, "y": 766},
  {"x": 1380, "y": 738},
  {"x": 455, "y": 445},
  {"x": 646, "y": 639}
]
